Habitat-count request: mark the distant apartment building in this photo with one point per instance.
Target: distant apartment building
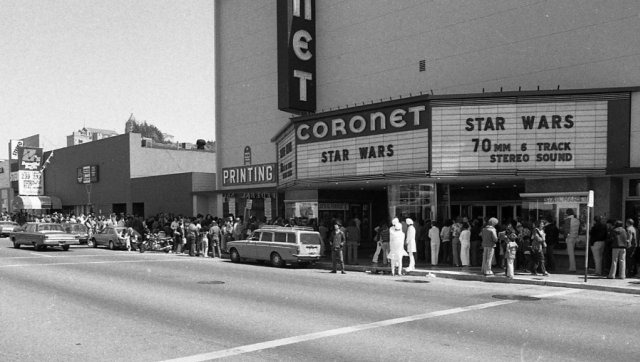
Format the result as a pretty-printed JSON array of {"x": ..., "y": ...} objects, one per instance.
[{"x": 86, "y": 134}]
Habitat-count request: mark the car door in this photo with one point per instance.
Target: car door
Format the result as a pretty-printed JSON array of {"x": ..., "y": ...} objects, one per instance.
[{"x": 262, "y": 247}]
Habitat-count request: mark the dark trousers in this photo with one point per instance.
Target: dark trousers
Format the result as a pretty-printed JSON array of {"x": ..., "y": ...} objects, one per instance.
[
  {"x": 337, "y": 258},
  {"x": 632, "y": 261},
  {"x": 475, "y": 253},
  {"x": 177, "y": 244},
  {"x": 445, "y": 252},
  {"x": 191, "y": 241},
  {"x": 549, "y": 260},
  {"x": 537, "y": 260}
]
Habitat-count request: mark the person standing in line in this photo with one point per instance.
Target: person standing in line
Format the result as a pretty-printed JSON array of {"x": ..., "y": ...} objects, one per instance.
[
  {"x": 476, "y": 243},
  {"x": 396, "y": 246},
  {"x": 434, "y": 236},
  {"x": 338, "y": 239},
  {"x": 411, "y": 244},
  {"x": 597, "y": 238},
  {"x": 537, "y": 249},
  {"x": 192, "y": 234},
  {"x": 619, "y": 243},
  {"x": 511, "y": 249},
  {"x": 632, "y": 249},
  {"x": 571, "y": 228},
  {"x": 445, "y": 242},
  {"x": 204, "y": 242},
  {"x": 456, "y": 229},
  {"x": 324, "y": 234},
  {"x": 353, "y": 241},
  {"x": 214, "y": 233},
  {"x": 489, "y": 239},
  {"x": 377, "y": 238},
  {"x": 465, "y": 245},
  {"x": 553, "y": 236}
]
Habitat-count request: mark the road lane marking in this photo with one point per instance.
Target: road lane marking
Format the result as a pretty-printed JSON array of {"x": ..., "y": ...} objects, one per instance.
[{"x": 334, "y": 332}]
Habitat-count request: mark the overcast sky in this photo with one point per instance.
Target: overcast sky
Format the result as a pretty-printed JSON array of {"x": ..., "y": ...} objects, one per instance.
[{"x": 66, "y": 64}]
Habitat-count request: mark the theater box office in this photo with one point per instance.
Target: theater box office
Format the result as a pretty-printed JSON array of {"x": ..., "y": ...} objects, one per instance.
[{"x": 476, "y": 156}]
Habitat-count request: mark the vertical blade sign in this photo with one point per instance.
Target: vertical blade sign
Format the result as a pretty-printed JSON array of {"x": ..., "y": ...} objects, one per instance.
[{"x": 296, "y": 56}]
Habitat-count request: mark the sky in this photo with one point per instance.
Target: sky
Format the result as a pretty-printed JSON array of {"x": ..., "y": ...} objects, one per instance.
[{"x": 69, "y": 64}]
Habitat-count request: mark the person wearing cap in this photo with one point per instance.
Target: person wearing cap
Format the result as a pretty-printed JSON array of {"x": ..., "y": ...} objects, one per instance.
[
  {"x": 411, "y": 244},
  {"x": 489, "y": 239},
  {"x": 338, "y": 239}
]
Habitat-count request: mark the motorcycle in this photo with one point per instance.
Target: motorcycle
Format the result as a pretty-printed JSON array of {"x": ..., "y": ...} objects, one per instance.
[{"x": 156, "y": 242}]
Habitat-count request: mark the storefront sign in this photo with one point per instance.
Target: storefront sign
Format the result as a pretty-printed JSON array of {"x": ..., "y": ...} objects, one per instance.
[
  {"x": 357, "y": 124},
  {"x": 286, "y": 158},
  {"x": 565, "y": 200},
  {"x": 29, "y": 158},
  {"x": 14, "y": 145},
  {"x": 87, "y": 174},
  {"x": 30, "y": 183},
  {"x": 296, "y": 56},
  {"x": 247, "y": 155},
  {"x": 520, "y": 136},
  {"x": 249, "y": 195},
  {"x": 333, "y": 206},
  {"x": 249, "y": 175}
]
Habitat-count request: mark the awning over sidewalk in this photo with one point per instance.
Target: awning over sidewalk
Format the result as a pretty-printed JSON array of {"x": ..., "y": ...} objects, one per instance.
[{"x": 36, "y": 202}]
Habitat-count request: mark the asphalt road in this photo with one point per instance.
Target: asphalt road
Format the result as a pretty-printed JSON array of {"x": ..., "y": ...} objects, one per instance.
[{"x": 101, "y": 305}]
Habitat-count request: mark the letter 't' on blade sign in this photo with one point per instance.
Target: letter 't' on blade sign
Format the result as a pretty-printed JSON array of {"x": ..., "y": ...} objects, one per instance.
[{"x": 296, "y": 56}]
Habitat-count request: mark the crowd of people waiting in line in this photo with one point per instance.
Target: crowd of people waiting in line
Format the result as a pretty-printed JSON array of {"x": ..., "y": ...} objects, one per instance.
[
  {"x": 510, "y": 246},
  {"x": 202, "y": 235}
]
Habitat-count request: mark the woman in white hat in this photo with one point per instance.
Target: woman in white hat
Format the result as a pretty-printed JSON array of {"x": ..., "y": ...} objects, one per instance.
[
  {"x": 396, "y": 246},
  {"x": 411, "y": 244}
]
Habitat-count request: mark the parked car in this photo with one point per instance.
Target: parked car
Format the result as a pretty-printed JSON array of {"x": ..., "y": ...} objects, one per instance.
[
  {"x": 77, "y": 229},
  {"x": 113, "y": 237},
  {"x": 6, "y": 227},
  {"x": 42, "y": 235},
  {"x": 278, "y": 245}
]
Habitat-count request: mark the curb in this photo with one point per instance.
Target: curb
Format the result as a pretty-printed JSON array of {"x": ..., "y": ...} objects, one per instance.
[{"x": 491, "y": 279}]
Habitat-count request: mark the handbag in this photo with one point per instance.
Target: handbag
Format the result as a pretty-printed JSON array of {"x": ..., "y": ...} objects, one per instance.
[{"x": 184, "y": 241}]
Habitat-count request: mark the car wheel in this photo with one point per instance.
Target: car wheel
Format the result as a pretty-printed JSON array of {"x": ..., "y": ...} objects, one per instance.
[
  {"x": 65, "y": 247},
  {"x": 276, "y": 260},
  {"x": 142, "y": 248},
  {"x": 111, "y": 246},
  {"x": 16, "y": 245},
  {"x": 235, "y": 256},
  {"x": 36, "y": 247}
]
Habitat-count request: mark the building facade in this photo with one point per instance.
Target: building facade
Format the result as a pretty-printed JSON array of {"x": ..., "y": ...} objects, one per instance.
[
  {"x": 429, "y": 110},
  {"x": 119, "y": 174}
]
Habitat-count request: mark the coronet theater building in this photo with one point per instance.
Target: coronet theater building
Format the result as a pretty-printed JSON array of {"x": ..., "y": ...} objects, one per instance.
[{"x": 381, "y": 109}]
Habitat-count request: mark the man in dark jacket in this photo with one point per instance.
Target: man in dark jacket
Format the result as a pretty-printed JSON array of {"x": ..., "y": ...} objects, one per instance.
[{"x": 619, "y": 239}]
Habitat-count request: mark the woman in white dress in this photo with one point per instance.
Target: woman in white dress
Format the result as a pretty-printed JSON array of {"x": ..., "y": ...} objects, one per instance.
[
  {"x": 411, "y": 244},
  {"x": 396, "y": 246}
]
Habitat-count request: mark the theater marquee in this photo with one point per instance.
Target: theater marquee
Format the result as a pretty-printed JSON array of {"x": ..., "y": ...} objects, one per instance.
[
  {"x": 386, "y": 140},
  {"x": 560, "y": 135}
]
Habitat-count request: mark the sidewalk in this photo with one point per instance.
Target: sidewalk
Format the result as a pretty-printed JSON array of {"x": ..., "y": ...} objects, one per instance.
[{"x": 561, "y": 279}]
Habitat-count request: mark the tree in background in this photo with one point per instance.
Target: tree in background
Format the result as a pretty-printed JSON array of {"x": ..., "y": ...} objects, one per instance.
[{"x": 145, "y": 129}]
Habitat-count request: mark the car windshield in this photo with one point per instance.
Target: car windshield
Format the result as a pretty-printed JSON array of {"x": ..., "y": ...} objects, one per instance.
[
  {"x": 310, "y": 239},
  {"x": 53, "y": 227}
]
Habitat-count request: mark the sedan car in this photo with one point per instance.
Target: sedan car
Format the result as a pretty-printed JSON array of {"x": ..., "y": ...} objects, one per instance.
[
  {"x": 112, "y": 237},
  {"x": 6, "y": 227},
  {"x": 42, "y": 235},
  {"x": 77, "y": 229}
]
